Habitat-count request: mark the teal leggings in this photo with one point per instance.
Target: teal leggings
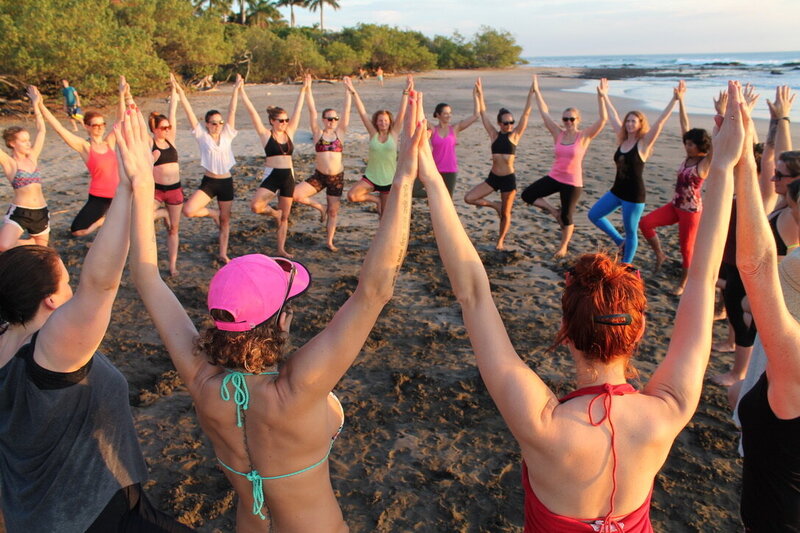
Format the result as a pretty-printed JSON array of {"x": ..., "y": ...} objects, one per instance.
[{"x": 631, "y": 213}]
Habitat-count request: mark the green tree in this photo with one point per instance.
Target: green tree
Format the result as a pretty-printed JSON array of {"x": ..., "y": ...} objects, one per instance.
[
  {"x": 291, "y": 4},
  {"x": 493, "y": 48},
  {"x": 343, "y": 60},
  {"x": 313, "y": 5}
]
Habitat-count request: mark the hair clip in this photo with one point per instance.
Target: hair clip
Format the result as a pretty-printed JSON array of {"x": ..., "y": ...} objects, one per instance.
[{"x": 618, "y": 319}]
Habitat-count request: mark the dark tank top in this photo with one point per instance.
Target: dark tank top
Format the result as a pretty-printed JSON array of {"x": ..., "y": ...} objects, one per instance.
[
  {"x": 166, "y": 155},
  {"x": 628, "y": 183},
  {"x": 503, "y": 145},
  {"x": 273, "y": 147},
  {"x": 771, "y": 473},
  {"x": 776, "y": 234}
]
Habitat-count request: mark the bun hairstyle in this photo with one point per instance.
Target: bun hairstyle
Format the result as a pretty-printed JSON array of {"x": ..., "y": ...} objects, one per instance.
[
  {"x": 255, "y": 350},
  {"x": 28, "y": 275},
  {"x": 89, "y": 115},
  {"x": 275, "y": 111},
  {"x": 503, "y": 111},
  {"x": 700, "y": 138},
  {"x": 211, "y": 113},
  {"x": 439, "y": 108},
  {"x": 598, "y": 291},
  {"x": 154, "y": 120},
  {"x": 10, "y": 134}
]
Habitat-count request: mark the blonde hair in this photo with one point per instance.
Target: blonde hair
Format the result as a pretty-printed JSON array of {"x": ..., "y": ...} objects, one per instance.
[{"x": 643, "y": 129}]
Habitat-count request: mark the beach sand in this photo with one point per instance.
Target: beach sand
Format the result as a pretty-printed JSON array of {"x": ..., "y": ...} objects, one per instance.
[{"x": 423, "y": 447}]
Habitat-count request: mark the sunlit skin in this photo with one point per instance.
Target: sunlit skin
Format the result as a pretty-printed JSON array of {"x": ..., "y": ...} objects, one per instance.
[{"x": 168, "y": 174}]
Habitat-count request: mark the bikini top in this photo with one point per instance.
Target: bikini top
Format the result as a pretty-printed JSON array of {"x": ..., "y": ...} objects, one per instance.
[
  {"x": 503, "y": 145},
  {"x": 273, "y": 147},
  {"x": 241, "y": 397},
  {"x": 23, "y": 179},
  {"x": 335, "y": 145},
  {"x": 539, "y": 518},
  {"x": 167, "y": 155}
]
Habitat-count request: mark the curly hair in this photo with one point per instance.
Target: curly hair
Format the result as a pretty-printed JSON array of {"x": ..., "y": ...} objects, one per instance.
[
  {"x": 643, "y": 129},
  {"x": 255, "y": 350},
  {"x": 700, "y": 138},
  {"x": 598, "y": 286}
]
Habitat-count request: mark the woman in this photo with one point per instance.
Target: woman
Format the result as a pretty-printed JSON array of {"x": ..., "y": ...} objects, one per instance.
[
  {"x": 167, "y": 173},
  {"x": 566, "y": 175},
  {"x": 686, "y": 205},
  {"x": 278, "y": 172},
  {"x": 636, "y": 140},
  {"x": 383, "y": 130},
  {"x": 770, "y": 411},
  {"x": 502, "y": 177},
  {"x": 28, "y": 210},
  {"x": 273, "y": 444},
  {"x": 329, "y": 171},
  {"x": 444, "y": 139},
  {"x": 69, "y": 456},
  {"x": 100, "y": 159},
  {"x": 216, "y": 157},
  {"x": 571, "y": 468}
]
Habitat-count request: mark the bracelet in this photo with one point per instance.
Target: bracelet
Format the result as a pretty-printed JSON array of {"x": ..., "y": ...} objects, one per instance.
[
  {"x": 405, "y": 92},
  {"x": 785, "y": 118}
]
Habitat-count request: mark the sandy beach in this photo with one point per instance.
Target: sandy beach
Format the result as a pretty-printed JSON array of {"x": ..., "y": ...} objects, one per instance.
[{"x": 423, "y": 447}]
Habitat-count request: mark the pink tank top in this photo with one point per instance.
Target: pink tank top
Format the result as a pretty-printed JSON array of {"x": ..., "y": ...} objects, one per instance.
[
  {"x": 568, "y": 165},
  {"x": 444, "y": 150},
  {"x": 103, "y": 173}
]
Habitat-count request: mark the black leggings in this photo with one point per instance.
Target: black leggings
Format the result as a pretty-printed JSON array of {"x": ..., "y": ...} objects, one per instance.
[
  {"x": 732, "y": 294},
  {"x": 547, "y": 186},
  {"x": 129, "y": 511}
]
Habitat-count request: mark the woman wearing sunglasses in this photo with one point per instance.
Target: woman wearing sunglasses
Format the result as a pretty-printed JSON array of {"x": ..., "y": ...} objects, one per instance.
[
  {"x": 636, "y": 140},
  {"x": 167, "y": 173},
  {"x": 589, "y": 458},
  {"x": 98, "y": 154},
  {"x": 271, "y": 418},
  {"x": 501, "y": 178},
  {"x": 329, "y": 171},
  {"x": 566, "y": 175},
  {"x": 278, "y": 179},
  {"x": 215, "y": 140}
]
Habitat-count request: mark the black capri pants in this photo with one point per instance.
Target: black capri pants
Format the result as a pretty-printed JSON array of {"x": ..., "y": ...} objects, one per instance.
[{"x": 546, "y": 186}]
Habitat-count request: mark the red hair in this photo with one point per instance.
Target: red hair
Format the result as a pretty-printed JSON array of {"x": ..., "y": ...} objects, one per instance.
[{"x": 600, "y": 288}]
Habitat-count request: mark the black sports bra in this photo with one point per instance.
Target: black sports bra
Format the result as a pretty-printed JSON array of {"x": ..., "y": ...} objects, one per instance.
[
  {"x": 503, "y": 145},
  {"x": 167, "y": 155},
  {"x": 273, "y": 147}
]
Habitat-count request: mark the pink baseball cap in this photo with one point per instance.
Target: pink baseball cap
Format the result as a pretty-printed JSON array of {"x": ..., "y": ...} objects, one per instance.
[{"x": 253, "y": 288}]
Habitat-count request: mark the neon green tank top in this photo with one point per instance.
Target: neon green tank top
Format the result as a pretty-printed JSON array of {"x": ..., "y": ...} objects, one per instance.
[{"x": 382, "y": 160}]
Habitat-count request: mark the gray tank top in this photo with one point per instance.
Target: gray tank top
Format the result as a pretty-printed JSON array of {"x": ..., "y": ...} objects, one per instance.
[{"x": 64, "y": 451}]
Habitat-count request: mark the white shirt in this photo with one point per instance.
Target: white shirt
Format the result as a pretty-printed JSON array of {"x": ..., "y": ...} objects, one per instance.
[{"x": 216, "y": 158}]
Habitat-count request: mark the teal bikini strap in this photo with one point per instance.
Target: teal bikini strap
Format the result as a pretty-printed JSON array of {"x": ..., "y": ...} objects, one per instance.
[{"x": 241, "y": 396}]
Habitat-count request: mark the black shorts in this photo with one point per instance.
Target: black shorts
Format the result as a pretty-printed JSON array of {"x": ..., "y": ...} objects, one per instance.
[
  {"x": 334, "y": 184},
  {"x": 221, "y": 188},
  {"x": 383, "y": 189},
  {"x": 130, "y": 511},
  {"x": 280, "y": 180},
  {"x": 93, "y": 210},
  {"x": 449, "y": 181},
  {"x": 502, "y": 183},
  {"x": 35, "y": 221}
]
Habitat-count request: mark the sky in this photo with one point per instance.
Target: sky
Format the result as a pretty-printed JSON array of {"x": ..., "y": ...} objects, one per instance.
[{"x": 589, "y": 27}]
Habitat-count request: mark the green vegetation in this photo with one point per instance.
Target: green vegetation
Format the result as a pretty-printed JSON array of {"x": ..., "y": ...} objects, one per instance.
[{"x": 91, "y": 42}]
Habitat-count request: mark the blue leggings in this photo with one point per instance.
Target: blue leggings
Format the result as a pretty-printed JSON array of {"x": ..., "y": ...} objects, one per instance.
[{"x": 631, "y": 213}]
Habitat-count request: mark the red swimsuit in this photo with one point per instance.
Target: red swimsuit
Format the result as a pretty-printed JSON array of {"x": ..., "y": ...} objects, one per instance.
[{"x": 539, "y": 519}]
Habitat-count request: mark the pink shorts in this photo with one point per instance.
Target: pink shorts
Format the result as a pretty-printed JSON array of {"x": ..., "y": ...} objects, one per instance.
[{"x": 169, "y": 194}]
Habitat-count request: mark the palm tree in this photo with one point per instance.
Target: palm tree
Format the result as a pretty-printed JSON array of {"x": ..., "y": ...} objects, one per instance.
[
  {"x": 314, "y": 4},
  {"x": 291, "y": 4},
  {"x": 263, "y": 13}
]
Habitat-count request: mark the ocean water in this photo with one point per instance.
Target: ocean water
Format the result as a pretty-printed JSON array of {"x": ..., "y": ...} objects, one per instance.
[{"x": 705, "y": 76}]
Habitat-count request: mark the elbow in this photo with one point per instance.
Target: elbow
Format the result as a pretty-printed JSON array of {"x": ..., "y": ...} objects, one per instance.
[
  {"x": 375, "y": 294},
  {"x": 754, "y": 265},
  {"x": 468, "y": 294}
]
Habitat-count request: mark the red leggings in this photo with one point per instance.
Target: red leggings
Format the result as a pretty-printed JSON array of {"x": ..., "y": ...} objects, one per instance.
[{"x": 666, "y": 216}]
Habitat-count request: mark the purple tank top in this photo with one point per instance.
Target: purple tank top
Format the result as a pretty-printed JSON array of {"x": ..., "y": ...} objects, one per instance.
[
  {"x": 568, "y": 165},
  {"x": 444, "y": 150}
]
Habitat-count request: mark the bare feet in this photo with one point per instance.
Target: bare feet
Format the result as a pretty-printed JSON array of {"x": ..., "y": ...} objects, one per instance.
[
  {"x": 173, "y": 272},
  {"x": 323, "y": 214},
  {"x": 562, "y": 252},
  {"x": 224, "y": 259},
  {"x": 284, "y": 253},
  {"x": 214, "y": 214},
  {"x": 723, "y": 347},
  {"x": 556, "y": 215},
  {"x": 726, "y": 380},
  {"x": 660, "y": 258},
  {"x": 332, "y": 248}
]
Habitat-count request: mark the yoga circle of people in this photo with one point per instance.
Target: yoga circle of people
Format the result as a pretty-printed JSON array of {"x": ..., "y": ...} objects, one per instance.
[{"x": 69, "y": 450}]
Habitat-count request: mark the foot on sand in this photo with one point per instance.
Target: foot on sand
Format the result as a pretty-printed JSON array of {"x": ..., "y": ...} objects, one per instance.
[
  {"x": 331, "y": 247},
  {"x": 284, "y": 253},
  {"x": 723, "y": 347},
  {"x": 660, "y": 258},
  {"x": 726, "y": 380}
]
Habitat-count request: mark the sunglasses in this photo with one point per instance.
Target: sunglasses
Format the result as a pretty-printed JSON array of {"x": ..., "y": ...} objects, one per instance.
[
  {"x": 507, "y": 122},
  {"x": 165, "y": 128},
  {"x": 330, "y": 118},
  {"x": 289, "y": 268},
  {"x": 569, "y": 119},
  {"x": 780, "y": 175},
  {"x": 97, "y": 125},
  {"x": 220, "y": 123},
  {"x": 281, "y": 120}
]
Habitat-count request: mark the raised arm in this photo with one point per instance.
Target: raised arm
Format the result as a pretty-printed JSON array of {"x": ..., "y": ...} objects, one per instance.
[
  {"x": 314, "y": 369},
  {"x": 544, "y": 111},
  {"x": 680, "y": 93},
  {"x": 526, "y": 113},
  {"x": 187, "y": 107},
  {"x": 237, "y": 87},
  {"x": 38, "y": 142},
  {"x": 756, "y": 258},
  {"x": 401, "y": 111},
  {"x": 313, "y": 118},
  {"x": 174, "y": 98},
  {"x": 362, "y": 112},
  {"x": 294, "y": 121},
  {"x": 602, "y": 115},
  {"x": 476, "y": 113},
  {"x": 679, "y": 378},
  {"x": 485, "y": 120},
  {"x": 73, "y": 141},
  {"x": 651, "y": 136},
  {"x": 518, "y": 392},
  {"x": 124, "y": 93},
  {"x": 263, "y": 133},
  {"x": 74, "y": 331},
  {"x": 344, "y": 123},
  {"x": 616, "y": 122}
]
